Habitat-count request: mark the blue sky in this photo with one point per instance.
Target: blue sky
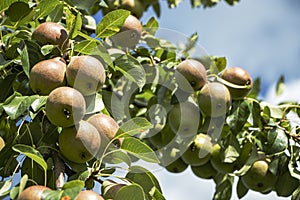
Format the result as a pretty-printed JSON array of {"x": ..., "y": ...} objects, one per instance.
[{"x": 260, "y": 36}]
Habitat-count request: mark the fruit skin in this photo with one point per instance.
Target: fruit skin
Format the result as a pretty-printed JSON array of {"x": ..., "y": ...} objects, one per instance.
[
  {"x": 193, "y": 71},
  {"x": 259, "y": 178},
  {"x": 135, "y": 6},
  {"x": 86, "y": 74},
  {"x": 65, "y": 106},
  {"x": 286, "y": 185},
  {"x": 47, "y": 75},
  {"x": 105, "y": 125},
  {"x": 238, "y": 76},
  {"x": 214, "y": 99},
  {"x": 33, "y": 192},
  {"x": 199, "y": 152},
  {"x": 130, "y": 33},
  {"x": 217, "y": 163},
  {"x": 88, "y": 194},
  {"x": 79, "y": 143},
  {"x": 51, "y": 33},
  {"x": 179, "y": 119},
  {"x": 206, "y": 171}
]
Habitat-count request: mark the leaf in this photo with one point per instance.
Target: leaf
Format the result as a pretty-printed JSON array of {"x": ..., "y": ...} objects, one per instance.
[
  {"x": 133, "y": 127},
  {"x": 45, "y": 7},
  {"x": 5, "y": 4},
  {"x": 13, "y": 12},
  {"x": 220, "y": 63},
  {"x": 239, "y": 117},
  {"x": 152, "y": 26},
  {"x": 5, "y": 187},
  {"x": 23, "y": 182},
  {"x": 38, "y": 103},
  {"x": 224, "y": 188},
  {"x": 25, "y": 60},
  {"x": 241, "y": 189},
  {"x": 111, "y": 23},
  {"x": 277, "y": 141},
  {"x": 255, "y": 88},
  {"x": 94, "y": 103},
  {"x": 280, "y": 86},
  {"x": 57, "y": 13},
  {"x": 74, "y": 25},
  {"x": 231, "y": 154},
  {"x": 72, "y": 188},
  {"x": 144, "y": 178},
  {"x": 131, "y": 69},
  {"x": 139, "y": 149},
  {"x": 156, "y": 194},
  {"x": 117, "y": 157},
  {"x": 6, "y": 86},
  {"x": 18, "y": 105},
  {"x": 52, "y": 194},
  {"x": 130, "y": 192},
  {"x": 31, "y": 153}
]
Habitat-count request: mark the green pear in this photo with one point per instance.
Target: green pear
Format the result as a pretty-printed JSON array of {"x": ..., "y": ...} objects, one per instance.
[
  {"x": 206, "y": 171},
  {"x": 259, "y": 178},
  {"x": 199, "y": 151},
  {"x": 79, "y": 143},
  {"x": 65, "y": 106},
  {"x": 177, "y": 166}
]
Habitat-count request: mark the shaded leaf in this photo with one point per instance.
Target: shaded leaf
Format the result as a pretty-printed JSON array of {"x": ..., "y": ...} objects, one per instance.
[
  {"x": 241, "y": 189},
  {"x": 57, "y": 13},
  {"x": 239, "y": 117},
  {"x": 130, "y": 192},
  {"x": 31, "y": 153},
  {"x": 117, "y": 157},
  {"x": 72, "y": 188},
  {"x": 134, "y": 126},
  {"x": 277, "y": 141},
  {"x": 139, "y": 149},
  {"x": 45, "y": 7},
  {"x": 6, "y": 86},
  {"x": 25, "y": 60}
]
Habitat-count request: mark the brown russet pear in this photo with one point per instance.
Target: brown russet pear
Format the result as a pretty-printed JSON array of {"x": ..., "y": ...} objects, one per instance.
[
  {"x": 88, "y": 195},
  {"x": 51, "y": 33},
  {"x": 32, "y": 193},
  {"x": 65, "y": 106},
  {"x": 47, "y": 75}
]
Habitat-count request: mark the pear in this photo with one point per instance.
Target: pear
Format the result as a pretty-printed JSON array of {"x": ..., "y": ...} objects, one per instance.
[
  {"x": 177, "y": 166},
  {"x": 47, "y": 75},
  {"x": 88, "y": 194},
  {"x": 65, "y": 106},
  {"x": 79, "y": 143},
  {"x": 86, "y": 74},
  {"x": 32, "y": 193},
  {"x": 206, "y": 171},
  {"x": 2, "y": 143}
]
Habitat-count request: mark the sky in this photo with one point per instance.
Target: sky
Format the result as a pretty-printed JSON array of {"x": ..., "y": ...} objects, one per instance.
[{"x": 260, "y": 36}]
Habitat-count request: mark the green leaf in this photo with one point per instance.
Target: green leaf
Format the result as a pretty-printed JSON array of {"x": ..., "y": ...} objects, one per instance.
[
  {"x": 45, "y": 7},
  {"x": 255, "y": 88},
  {"x": 74, "y": 24},
  {"x": 111, "y": 23},
  {"x": 5, "y": 187},
  {"x": 131, "y": 69},
  {"x": 280, "y": 86},
  {"x": 156, "y": 194},
  {"x": 152, "y": 26},
  {"x": 38, "y": 103},
  {"x": 224, "y": 188},
  {"x": 139, "y": 149},
  {"x": 130, "y": 192},
  {"x": 239, "y": 117},
  {"x": 56, "y": 14},
  {"x": 6, "y": 86},
  {"x": 231, "y": 154},
  {"x": 72, "y": 188},
  {"x": 94, "y": 103},
  {"x": 5, "y": 4},
  {"x": 13, "y": 12},
  {"x": 86, "y": 47},
  {"x": 23, "y": 182},
  {"x": 52, "y": 194},
  {"x": 134, "y": 126},
  {"x": 145, "y": 179},
  {"x": 18, "y": 105},
  {"x": 277, "y": 141},
  {"x": 25, "y": 60},
  {"x": 117, "y": 157},
  {"x": 31, "y": 153},
  {"x": 241, "y": 189}
]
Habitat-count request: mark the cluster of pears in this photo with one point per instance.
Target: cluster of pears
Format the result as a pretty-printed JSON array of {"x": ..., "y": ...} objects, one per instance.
[
  {"x": 35, "y": 192},
  {"x": 69, "y": 85}
]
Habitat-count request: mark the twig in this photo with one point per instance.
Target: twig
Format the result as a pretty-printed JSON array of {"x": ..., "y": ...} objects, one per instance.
[{"x": 59, "y": 170}]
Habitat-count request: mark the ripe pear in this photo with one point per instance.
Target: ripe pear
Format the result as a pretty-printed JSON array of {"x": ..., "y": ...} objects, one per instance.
[
  {"x": 47, "y": 75},
  {"x": 193, "y": 71},
  {"x": 2, "y": 143},
  {"x": 86, "y": 74},
  {"x": 214, "y": 99},
  {"x": 184, "y": 119},
  {"x": 130, "y": 33},
  {"x": 206, "y": 171},
  {"x": 65, "y": 106},
  {"x": 32, "y": 193},
  {"x": 217, "y": 162},
  {"x": 286, "y": 185},
  {"x": 51, "y": 33},
  {"x": 259, "y": 178},
  {"x": 238, "y": 76},
  {"x": 199, "y": 152},
  {"x": 79, "y": 143},
  {"x": 105, "y": 125},
  {"x": 177, "y": 166},
  {"x": 88, "y": 194}
]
